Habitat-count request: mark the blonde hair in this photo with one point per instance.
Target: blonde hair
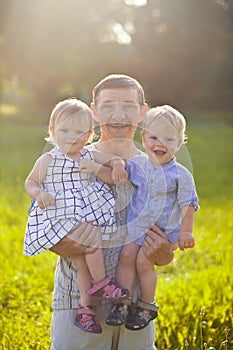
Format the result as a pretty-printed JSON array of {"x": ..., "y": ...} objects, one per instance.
[
  {"x": 69, "y": 108},
  {"x": 169, "y": 114}
]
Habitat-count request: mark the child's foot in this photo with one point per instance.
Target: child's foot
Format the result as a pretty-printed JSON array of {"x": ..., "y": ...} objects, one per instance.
[
  {"x": 144, "y": 313},
  {"x": 106, "y": 289},
  {"x": 118, "y": 315},
  {"x": 86, "y": 320}
]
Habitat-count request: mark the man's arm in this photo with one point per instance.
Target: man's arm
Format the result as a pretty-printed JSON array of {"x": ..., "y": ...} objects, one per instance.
[
  {"x": 156, "y": 247},
  {"x": 83, "y": 240}
]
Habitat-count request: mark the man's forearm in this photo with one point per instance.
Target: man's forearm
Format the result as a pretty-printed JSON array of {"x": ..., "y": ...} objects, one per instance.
[
  {"x": 84, "y": 239},
  {"x": 67, "y": 247}
]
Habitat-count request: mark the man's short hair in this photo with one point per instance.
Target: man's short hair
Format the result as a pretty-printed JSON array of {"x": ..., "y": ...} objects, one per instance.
[{"x": 115, "y": 81}]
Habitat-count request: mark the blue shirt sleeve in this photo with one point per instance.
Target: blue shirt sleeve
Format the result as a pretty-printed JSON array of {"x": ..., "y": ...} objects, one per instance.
[{"x": 187, "y": 194}]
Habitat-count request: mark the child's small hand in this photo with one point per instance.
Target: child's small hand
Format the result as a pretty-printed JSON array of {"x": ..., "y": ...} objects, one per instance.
[
  {"x": 86, "y": 165},
  {"x": 119, "y": 174},
  {"x": 45, "y": 199},
  {"x": 186, "y": 240}
]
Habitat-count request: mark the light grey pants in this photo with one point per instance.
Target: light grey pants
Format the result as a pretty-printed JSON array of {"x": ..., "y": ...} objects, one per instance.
[{"x": 66, "y": 336}]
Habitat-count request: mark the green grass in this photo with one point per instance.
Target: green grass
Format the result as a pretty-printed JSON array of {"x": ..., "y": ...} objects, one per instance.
[{"x": 194, "y": 292}]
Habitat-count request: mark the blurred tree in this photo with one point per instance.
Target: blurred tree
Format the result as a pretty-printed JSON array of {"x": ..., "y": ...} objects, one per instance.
[
  {"x": 4, "y": 10},
  {"x": 180, "y": 50},
  {"x": 185, "y": 52}
]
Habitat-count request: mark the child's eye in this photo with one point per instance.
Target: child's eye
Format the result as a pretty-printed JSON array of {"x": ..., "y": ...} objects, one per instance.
[{"x": 171, "y": 140}]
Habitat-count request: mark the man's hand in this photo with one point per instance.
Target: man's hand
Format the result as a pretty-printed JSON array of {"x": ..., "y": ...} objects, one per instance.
[
  {"x": 157, "y": 247},
  {"x": 84, "y": 239}
]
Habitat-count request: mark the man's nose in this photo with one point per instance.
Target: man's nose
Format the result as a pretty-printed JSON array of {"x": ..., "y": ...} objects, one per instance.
[{"x": 118, "y": 113}]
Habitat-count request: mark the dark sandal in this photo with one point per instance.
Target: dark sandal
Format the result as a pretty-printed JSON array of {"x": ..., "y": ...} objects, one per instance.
[
  {"x": 139, "y": 319},
  {"x": 86, "y": 320},
  {"x": 106, "y": 289},
  {"x": 118, "y": 315}
]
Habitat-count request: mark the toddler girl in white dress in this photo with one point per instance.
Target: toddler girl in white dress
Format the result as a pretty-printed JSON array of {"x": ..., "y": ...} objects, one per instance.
[{"x": 66, "y": 195}]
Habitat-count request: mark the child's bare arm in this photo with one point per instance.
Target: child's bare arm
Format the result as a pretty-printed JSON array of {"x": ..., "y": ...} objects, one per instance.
[
  {"x": 186, "y": 239},
  {"x": 107, "y": 167},
  {"x": 34, "y": 180},
  {"x": 102, "y": 171},
  {"x": 118, "y": 170}
]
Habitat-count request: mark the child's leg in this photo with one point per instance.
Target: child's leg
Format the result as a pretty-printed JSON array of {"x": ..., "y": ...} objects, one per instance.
[
  {"x": 103, "y": 287},
  {"x": 95, "y": 263},
  {"x": 147, "y": 277},
  {"x": 83, "y": 278},
  {"x": 126, "y": 276},
  {"x": 126, "y": 270},
  {"x": 85, "y": 318},
  {"x": 146, "y": 309}
]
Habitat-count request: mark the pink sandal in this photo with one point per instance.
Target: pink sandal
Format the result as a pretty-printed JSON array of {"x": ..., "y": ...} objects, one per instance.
[
  {"x": 86, "y": 320},
  {"x": 106, "y": 289}
]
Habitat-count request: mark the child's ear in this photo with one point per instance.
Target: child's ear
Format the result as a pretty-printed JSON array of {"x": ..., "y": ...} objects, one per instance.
[
  {"x": 178, "y": 147},
  {"x": 90, "y": 134}
]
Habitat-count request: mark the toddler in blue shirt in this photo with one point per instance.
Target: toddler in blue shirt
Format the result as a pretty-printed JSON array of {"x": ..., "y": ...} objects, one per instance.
[{"x": 163, "y": 193}]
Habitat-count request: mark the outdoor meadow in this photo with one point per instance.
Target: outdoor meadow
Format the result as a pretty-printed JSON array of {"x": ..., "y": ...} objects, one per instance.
[
  {"x": 181, "y": 51},
  {"x": 194, "y": 292}
]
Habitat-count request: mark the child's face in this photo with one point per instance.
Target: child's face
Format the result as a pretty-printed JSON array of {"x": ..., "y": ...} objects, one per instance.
[
  {"x": 70, "y": 135},
  {"x": 161, "y": 142}
]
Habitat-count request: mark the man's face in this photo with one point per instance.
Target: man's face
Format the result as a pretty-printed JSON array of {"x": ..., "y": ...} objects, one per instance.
[{"x": 118, "y": 112}]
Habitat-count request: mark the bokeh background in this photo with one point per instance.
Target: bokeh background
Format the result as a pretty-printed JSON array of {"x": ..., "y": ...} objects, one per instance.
[{"x": 180, "y": 50}]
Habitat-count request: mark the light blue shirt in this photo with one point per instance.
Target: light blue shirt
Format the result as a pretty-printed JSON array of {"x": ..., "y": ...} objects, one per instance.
[{"x": 159, "y": 193}]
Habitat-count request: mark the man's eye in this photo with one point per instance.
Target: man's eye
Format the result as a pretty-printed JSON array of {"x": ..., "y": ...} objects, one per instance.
[
  {"x": 107, "y": 106},
  {"x": 129, "y": 106}
]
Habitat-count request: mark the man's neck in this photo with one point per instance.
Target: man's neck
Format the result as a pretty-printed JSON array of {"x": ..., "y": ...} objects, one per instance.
[{"x": 120, "y": 147}]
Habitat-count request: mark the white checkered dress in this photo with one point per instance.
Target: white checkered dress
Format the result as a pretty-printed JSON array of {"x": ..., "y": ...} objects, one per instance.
[{"x": 79, "y": 197}]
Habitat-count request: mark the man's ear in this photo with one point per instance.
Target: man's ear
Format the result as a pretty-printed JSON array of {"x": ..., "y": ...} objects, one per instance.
[
  {"x": 144, "y": 109},
  {"x": 142, "y": 136},
  {"x": 93, "y": 108},
  {"x": 51, "y": 130}
]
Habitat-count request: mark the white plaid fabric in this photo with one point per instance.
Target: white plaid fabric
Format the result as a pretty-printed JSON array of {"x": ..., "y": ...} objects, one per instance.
[
  {"x": 66, "y": 292},
  {"x": 79, "y": 197}
]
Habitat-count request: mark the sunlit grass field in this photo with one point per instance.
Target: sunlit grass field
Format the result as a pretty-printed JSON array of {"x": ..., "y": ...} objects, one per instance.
[{"x": 194, "y": 292}]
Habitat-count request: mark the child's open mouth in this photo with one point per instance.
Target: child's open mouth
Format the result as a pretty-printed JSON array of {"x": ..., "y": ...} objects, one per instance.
[{"x": 159, "y": 153}]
